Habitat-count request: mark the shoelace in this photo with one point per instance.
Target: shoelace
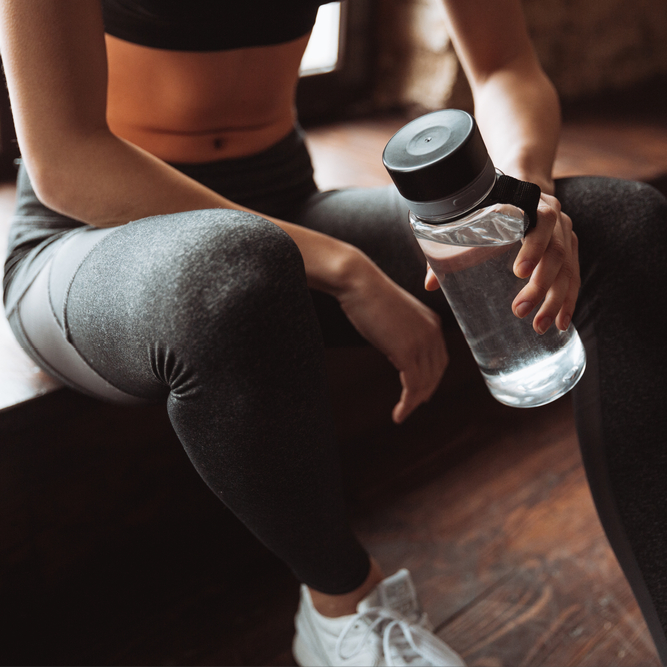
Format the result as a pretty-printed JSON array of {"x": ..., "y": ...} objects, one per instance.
[{"x": 418, "y": 640}]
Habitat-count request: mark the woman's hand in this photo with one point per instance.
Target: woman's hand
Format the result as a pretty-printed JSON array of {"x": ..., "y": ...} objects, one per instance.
[
  {"x": 549, "y": 257},
  {"x": 402, "y": 328}
]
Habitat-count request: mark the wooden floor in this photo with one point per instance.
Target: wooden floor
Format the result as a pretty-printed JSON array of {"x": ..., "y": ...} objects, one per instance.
[{"x": 486, "y": 505}]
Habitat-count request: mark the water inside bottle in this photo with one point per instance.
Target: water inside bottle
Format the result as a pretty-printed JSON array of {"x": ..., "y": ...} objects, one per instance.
[{"x": 520, "y": 367}]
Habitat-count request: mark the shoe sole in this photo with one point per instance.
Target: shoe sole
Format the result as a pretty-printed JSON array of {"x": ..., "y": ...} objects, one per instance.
[{"x": 304, "y": 656}]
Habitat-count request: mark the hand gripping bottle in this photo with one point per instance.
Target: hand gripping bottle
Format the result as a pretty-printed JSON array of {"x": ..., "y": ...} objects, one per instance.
[{"x": 469, "y": 220}]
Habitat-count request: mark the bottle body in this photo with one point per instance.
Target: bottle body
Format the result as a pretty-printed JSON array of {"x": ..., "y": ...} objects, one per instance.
[{"x": 472, "y": 257}]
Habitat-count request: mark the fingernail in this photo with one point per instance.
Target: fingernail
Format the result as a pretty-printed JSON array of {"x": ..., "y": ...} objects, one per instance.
[
  {"x": 523, "y": 308},
  {"x": 565, "y": 323},
  {"x": 544, "y": 324},
  {"x": 524, "y": 269}
]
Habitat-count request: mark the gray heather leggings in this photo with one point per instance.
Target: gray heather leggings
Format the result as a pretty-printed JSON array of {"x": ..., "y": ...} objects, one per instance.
[{"x": 209, "y": 310}]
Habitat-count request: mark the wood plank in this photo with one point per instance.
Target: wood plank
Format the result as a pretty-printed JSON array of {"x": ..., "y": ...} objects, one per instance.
[
  {"x": 616, "y": 147},
  {"x": 350, "y": 154},
  {"x": 619, "y": 148},
  {"x": 508, "y": 553}
]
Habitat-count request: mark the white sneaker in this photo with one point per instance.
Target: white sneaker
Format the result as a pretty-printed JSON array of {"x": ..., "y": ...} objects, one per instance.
[{"x": 389, "y": 628}]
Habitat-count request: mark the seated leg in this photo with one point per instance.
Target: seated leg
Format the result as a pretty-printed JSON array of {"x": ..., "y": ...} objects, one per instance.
[
  {"x": 620, "y": 402},
  {"x": 210, "y": 311}
]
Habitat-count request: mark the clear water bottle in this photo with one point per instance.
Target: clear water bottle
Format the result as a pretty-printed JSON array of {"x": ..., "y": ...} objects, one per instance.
[{"x": 470, "y": 227}]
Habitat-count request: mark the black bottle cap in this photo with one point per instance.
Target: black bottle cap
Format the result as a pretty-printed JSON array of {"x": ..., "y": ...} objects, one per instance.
[{"x": 436, "y": 155}]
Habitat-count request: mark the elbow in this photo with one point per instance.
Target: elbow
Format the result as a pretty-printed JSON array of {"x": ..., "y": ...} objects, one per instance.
[
  {"x": 59, "y": 188},
  {"x": 49, "y": 186},
  {"x": 62, "y": 177}
]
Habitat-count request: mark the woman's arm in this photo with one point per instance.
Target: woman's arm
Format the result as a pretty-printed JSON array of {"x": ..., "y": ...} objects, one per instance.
[
  {"x": 516, "y": 105},
  {"x": 55, "y": 62},
  {"x": 518, "y": 113}
]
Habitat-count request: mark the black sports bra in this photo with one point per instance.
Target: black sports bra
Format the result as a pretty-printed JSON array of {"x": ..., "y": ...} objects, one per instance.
[{"x": 209, "y": 25}]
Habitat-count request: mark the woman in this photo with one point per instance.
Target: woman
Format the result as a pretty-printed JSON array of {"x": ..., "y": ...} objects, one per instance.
[{"x": 169, "y": 244}]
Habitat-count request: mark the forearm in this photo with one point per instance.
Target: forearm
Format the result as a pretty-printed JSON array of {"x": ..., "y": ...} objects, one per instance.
[
  {"x": 516, "y": 105},
  {"x": 518, "y": 112},
  {"x": 105, "y": 182}
]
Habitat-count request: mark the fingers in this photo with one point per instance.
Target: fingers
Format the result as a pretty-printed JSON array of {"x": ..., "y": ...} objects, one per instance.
[
  {"x": 539, "y": 239},
  {"x": 549, "y": 256},
  {"x": 404, "y": 329},
  {"x": 430, "y": 282},
  {"x": 420, "y": 377}
]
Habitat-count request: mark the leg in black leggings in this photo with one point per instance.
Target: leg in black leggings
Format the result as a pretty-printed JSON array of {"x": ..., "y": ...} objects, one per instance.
[
  {"x": 210, "y": 311},
  {"x": 621, "y": 403}
]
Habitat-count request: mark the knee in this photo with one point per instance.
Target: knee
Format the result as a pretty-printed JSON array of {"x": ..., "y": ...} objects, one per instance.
[
  {"x": 637, "y": 221},
  {"x": 222, "y": 265},
  {"x": 645, "y": 210},
  {"x": 615, "y": 218},
  {"x": 224, "y": 250}
]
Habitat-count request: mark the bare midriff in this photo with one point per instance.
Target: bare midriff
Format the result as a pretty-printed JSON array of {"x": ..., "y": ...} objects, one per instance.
[{"x": 195, "y": 107}]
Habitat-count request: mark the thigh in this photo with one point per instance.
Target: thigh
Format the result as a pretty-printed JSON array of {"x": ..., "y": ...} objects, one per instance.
[
  {"x": 375, "y": 220},
  {"x": 127, "y": 313},
  {"x": 620, "y": 401},
  {"x": 622, "y": 231}
]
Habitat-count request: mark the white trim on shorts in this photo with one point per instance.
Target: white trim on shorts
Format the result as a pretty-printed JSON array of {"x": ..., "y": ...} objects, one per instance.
[{"x": 43, "y": 332}]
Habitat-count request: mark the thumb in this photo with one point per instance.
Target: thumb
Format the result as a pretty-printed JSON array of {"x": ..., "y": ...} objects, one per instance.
[{"x": 431, "y": 282}]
